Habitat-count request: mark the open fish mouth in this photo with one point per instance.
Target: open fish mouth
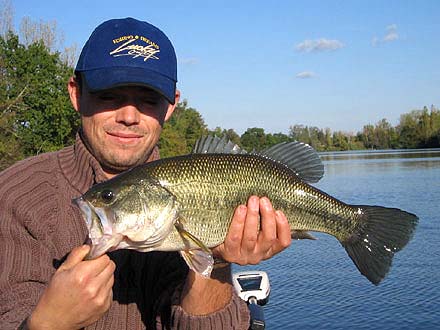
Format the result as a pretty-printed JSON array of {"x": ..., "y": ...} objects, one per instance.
[
  {"x": 106, "y": 234},
  {"x": 98, "y": 221}
]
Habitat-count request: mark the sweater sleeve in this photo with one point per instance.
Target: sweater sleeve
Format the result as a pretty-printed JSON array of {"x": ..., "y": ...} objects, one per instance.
[
  {"x": 28, "y": 240},
  {"x": 234, "y": 315},
  {"x": 168, "y": 282},
  {"x": 23, "y": 275}
]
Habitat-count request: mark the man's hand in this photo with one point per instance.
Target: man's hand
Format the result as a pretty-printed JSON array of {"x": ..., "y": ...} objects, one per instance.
[
  {"x": 250, "y": 240},
  {"x": 79, "y": 293}
]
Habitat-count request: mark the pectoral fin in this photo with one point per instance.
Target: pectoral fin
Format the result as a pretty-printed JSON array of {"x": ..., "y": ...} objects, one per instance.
[{"x": 198, "y": 260}]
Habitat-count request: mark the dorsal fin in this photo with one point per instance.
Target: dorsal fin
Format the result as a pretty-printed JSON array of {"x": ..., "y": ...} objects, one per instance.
[
  {"x": 214, "y": 145},
  {"x": 298, "y": 156}
]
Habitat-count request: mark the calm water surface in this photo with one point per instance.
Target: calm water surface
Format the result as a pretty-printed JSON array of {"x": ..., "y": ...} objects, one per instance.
[{"x": 315, "y": 285}]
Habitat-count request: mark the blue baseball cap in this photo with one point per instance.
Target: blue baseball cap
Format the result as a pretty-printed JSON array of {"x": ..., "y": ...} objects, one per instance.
[{"x": 128, "y": 52}]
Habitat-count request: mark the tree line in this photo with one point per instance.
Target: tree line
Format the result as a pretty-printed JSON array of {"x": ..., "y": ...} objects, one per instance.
[
  {"x": 36, "y": 115},
  {"x": 416, "y": 129}
]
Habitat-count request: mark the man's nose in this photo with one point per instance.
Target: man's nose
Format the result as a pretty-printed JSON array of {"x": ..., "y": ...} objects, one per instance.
[{"x": 128, "y": 115}]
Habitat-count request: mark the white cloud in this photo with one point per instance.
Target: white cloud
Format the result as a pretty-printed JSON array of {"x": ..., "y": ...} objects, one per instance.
[
  {"x": 188, "y": 61},
  {"x": 318, "y": 45},
  {"x": 305, "y": 75},
  {"x": 390, "y": 35}
]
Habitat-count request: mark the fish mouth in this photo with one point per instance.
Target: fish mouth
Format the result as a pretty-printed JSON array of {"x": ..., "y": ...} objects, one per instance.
[
  {"x": 99, "y": 224},
  {"x": 106, "y": 233}
]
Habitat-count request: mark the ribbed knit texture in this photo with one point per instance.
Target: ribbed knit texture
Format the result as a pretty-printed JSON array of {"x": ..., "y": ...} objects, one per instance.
[{"x": 39, "y": 226}]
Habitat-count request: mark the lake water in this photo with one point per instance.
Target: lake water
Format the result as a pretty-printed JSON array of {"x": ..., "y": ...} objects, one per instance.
[{"x": 315, "y": 285}]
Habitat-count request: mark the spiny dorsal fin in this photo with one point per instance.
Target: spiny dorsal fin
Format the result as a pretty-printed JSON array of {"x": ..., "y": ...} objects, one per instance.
[
  {"x": 215, "y": 145},
  {"x": 298, "y": 156}
]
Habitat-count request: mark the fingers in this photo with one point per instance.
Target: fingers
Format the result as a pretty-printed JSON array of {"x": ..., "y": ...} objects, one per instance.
[
  {"x": 283, "y": 230},
  {"x": 257, "y": 232},
  {"x": 104, "y": 271},
  {"x": 268, "y": 234},
  {"x": 78, "y": 294},
  {"x": 96, "y": 275},
  {"x": 103, "y": 284},
  {"x": 251, "y": 232},
  {"x": 101, "y": 267},
  {"x": 282, "y": 239},
  {"x": 75, "y": 257},
  {"x": 235, "y": 234}
]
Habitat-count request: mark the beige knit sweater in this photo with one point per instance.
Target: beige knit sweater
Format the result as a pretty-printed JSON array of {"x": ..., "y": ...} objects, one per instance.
[{"x": 39, "y": 226}]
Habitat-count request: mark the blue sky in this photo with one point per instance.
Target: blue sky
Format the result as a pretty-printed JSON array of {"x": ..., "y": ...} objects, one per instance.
[{"x": 273, "y": 64}]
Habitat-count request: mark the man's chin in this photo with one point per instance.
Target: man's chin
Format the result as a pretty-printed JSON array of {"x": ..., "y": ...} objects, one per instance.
[
  {"x": 119, "y": 164},
  {"x": 113, "y": 169}
]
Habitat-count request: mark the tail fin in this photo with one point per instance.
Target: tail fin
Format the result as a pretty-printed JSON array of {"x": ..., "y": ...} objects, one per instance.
[{"x": 384, "y": 231}]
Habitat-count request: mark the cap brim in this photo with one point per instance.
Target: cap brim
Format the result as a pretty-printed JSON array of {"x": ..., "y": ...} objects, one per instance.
[{"x": 102, "y": 79}]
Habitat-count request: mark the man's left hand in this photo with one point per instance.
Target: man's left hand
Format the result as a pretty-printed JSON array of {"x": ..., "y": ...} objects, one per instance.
[{"x": 257, "y": 232}]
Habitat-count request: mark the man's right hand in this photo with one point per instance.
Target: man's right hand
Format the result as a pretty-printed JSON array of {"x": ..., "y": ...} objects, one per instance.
[{"x": 79, "y": 293}]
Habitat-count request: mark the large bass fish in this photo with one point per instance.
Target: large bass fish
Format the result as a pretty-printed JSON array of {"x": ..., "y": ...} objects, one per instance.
[{"x": 186, "y": 203}]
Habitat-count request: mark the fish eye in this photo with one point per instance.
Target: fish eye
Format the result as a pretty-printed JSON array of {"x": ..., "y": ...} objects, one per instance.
[{"x": 107, "y": 196}]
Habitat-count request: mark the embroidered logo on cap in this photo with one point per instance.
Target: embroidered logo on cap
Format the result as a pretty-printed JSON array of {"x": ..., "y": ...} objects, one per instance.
[{"x": 136, "y": 46}]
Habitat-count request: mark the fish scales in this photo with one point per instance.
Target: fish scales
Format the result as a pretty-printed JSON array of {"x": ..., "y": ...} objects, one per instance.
[
  {"x": 210, "y": 186},
  {"x": 186, "y": 204}
]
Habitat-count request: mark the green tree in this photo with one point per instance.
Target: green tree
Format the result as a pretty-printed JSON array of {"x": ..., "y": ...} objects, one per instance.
[
  {"x": 44, "y": 119},
  {"x": 383, "y": 134},
  {"x": 272, "y": 139},
  {"x": 341, "y": 141},
  {"x": 328, "y": 141},
  {"x": 230, "y": 134},
  {"x": 10, "y": 148},
  {"x": 253, "y": 139},
  {"x": 316, "y": 137},
  {"x": 300, "y": 133},
  {"x": 407, "y": 130},
  {"x": 313, "y": 136},
  {"x": 368, "y": 136},
  {"x": 182, "y": 130},
  {"x": 424, "y": 127},
  {"x": 434, "y": 119}
]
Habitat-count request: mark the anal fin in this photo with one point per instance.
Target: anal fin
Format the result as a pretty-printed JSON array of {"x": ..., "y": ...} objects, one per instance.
[{"x": 302, "y": 234}]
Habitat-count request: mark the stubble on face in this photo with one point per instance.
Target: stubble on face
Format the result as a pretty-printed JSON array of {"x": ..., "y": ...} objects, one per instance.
[
  {"x": 121, "y": 127},
  {"x": 117, "y": 157}
]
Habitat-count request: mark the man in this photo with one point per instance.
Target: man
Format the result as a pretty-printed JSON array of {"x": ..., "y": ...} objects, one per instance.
[{"x": 124, "y": 89}]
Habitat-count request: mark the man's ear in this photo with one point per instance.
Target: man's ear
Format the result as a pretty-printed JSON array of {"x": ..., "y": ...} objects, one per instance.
[
  {"x": 74, "y": 93},
  {"x": 171, "y": 107}
]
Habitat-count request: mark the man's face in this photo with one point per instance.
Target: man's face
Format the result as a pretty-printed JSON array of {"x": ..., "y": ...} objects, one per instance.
[{"x": 121, "y": 126}]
